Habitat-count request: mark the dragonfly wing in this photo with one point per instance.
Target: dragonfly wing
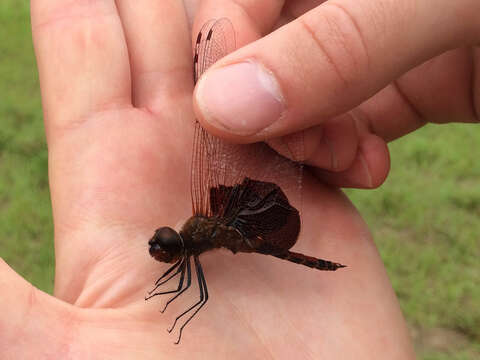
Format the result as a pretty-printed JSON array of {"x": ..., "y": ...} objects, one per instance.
[
  {"x": 215, "y": 40},
  {"x": 217, "y": 166}
]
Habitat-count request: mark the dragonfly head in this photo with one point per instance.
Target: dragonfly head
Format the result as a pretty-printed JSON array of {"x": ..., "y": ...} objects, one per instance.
[{"x": 166, "y": 245}]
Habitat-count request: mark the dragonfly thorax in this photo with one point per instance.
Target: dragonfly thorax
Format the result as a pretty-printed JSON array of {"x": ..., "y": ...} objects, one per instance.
[{"x": 199, "y": 233}]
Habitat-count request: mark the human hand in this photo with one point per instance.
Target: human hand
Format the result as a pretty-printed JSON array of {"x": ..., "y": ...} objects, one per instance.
[
  {"x": 355, "y": 74},
  {"x": 116, "y": 90}
]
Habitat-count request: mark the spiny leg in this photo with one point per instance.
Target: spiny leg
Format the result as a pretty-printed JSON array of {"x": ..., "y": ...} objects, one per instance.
[
  {"x": 202, "y": 296},
  {"x": 158, "y": 284},
  {"x": 180, "y": 283},
  {"x": 189, "y": 282},
  {"x": 198, "y": 266},
  {"x": 200, "y": 287},
  {"x": 309, "y": 261},
  {"x": 170, "y": 270}
]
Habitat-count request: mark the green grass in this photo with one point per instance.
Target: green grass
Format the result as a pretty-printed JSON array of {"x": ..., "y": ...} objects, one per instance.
[
  {"x": 425, "y": 223},
  {"x": 25, "y": 213},
  {"x": 424, "y": 218}
]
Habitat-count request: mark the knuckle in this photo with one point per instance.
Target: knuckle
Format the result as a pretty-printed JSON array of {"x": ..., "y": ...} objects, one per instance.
[{"x": 339, "y": 39}]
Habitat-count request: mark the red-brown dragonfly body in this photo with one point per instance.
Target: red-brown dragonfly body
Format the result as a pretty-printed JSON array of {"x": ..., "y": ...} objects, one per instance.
[{"x": 231, "y": 210}]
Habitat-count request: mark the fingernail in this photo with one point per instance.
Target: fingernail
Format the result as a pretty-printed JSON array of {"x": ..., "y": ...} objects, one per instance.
[
  {"x": 333, "y": 154},
  {"x": 367, "y": 180},
  {"x": 243, "y": 98},
  {"x": 324, "y": 156}
]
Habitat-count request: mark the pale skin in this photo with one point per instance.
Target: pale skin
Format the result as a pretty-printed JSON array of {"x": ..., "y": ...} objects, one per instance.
[{"x": 116, "y": 82}]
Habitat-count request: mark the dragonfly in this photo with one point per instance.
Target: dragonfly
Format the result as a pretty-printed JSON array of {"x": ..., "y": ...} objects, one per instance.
[{"x": 242, "y": 197}]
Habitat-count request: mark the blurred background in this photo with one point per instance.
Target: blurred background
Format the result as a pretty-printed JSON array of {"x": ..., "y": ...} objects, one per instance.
[{"x": 424, "y": 218}]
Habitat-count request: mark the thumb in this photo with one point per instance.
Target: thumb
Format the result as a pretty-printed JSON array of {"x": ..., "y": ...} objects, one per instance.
[
  {"x": 325, "y": 63},
  {"x": 31, "y": 321}
]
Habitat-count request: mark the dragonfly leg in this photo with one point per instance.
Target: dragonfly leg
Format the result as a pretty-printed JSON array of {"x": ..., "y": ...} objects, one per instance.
[
  {"x": 179, "y": 262},
  {"x": 205, "y": 292},
  {"x": 202, "y": 285},
  {"x": 189, "y": 282},
  {"x": 180, "y": 269}
]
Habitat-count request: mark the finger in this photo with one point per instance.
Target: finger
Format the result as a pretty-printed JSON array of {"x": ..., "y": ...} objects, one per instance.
[
  {"x": 158, "y": 42},
  {"x": 368, "y": 170},
  {"x": 330, "y": 146},
  {"x": 251, "y": 19},
  {"x": 82, "y": 59},
  {"x": 440, "y": 91},
  {"x": 336, "y": 148},
  {"x": 325, "y": 63}
]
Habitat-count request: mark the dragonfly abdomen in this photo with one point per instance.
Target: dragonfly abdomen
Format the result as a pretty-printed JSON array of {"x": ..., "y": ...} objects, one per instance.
[{"x": 309, "y": 261}]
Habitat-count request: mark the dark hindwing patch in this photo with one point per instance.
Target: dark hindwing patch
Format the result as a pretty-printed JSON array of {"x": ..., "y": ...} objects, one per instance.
[
  {"x": 219, "y": 197},
  {"x": 260, "y": 211}
]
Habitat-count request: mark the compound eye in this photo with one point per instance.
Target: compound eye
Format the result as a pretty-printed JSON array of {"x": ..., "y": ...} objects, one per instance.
[
  {"x": 168, "y": 239},
  {"x": 166, "y": 245}
]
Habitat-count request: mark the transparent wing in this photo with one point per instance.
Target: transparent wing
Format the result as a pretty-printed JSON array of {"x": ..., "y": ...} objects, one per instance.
[
  {"x": 218, "y": 165},
  {"x": 215, "y": 40}
]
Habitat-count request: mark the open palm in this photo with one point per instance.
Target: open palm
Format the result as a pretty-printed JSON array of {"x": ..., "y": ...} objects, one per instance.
[{"x": 116, "y": 86}]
